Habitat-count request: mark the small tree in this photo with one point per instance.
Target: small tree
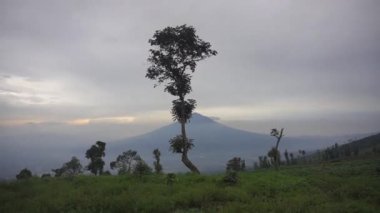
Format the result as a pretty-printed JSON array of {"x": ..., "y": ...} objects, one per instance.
[
  {"x": 286, "y": 154},
  {"x": 24, "y": 174},
  {"x": 231, "y": 178},
  {"x": 274, "y": 155},
  {"x": 46, "y": 175},
  {"x": 256, "y": 166},
  {"x": 124, "y": 162},
  {"x": 170, "y": 178},
  {"x": 261, "y": 162},
  {"x": 95, "y": 154},
  {"x": 175, "y": 55},
  {"x": 243, "y": 165},
  {"x": 141, "y": 168},
  {"x": 278, "y": 135},
  {"x": 292, "y": 159},
  {"x": 157, "y": 165},
  {"x": 235, "y": 164},
  {"x": 266, "y": 163},
  {"x": 70, "y": 168}
]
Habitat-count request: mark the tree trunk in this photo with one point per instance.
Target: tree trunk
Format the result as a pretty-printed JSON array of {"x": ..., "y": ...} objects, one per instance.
[
  {"x": 277, "y": 160},
  {"x": 185, "y": 159},
  {"x": 189, "y": 164}
]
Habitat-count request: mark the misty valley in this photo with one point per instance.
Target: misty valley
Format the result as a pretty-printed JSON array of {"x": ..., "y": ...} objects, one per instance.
[{"x": 104, "y": 109}]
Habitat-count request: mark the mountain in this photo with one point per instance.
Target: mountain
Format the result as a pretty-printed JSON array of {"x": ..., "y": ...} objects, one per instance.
[
  {"x": 215, "y": 144},
  {"x": 365, "y": 145}
]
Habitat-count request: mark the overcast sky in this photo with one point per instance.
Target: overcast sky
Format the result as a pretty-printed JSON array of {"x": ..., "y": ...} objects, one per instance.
[{"x": 309, "y": 66}]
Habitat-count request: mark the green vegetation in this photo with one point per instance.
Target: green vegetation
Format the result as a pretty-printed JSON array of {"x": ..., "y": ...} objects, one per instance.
[
  {"x": 368, "y": 146},
  {"x": 346, "y": 186}
]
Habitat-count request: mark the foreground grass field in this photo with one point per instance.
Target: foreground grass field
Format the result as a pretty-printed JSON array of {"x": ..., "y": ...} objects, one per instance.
[{"x": 348, "y": 186}]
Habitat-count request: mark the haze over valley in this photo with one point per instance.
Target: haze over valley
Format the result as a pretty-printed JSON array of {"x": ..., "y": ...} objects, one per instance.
[{"x": 75, "y": 72}]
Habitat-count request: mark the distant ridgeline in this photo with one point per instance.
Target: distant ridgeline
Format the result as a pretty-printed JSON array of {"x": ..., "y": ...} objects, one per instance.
[{"x": 365, "y": 147}]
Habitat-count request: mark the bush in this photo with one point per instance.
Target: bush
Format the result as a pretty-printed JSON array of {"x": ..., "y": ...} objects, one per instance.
[
  {"x": 46, "y": 175},
  {"x": 24, "y": 174},
  {"x": 231, "y": 178},
  {"x": 141, "y": 168},
  {"x": 170, "y": 178}
]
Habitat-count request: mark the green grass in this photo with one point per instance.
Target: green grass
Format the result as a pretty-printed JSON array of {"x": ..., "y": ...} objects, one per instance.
[{"x": 346, "y": 186}]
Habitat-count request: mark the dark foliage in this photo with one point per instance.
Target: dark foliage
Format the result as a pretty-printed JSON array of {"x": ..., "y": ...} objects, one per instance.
[
  {"x": 71, "y": 168},
  {"x": 275, "y": 153},
  {"x": 231, "y": 178},
  {"x": 286, "y": 154},
  {"x": 24, "y": 174},
  {"x": 156, "y": 163},
  {"x": 177, "y": 49},
  {"x": 95, "y": 154},
  {"x": 43, "y": 176},
  {"x": 176, "y": 110},
  {"x": 236, "y": 164},
  {"x": 141, "y": 168},
  {"x": 179, "y": 145},
  {"x": 170, "y": 178},
  {"x": 125, "y": 162},
  {"x": 106, "y": 173}
]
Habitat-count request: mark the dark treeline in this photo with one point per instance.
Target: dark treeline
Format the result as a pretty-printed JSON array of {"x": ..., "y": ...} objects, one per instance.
[{"x": 363, "y": 147}]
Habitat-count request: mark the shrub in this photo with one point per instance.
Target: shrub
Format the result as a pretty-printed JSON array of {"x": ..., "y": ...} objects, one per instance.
[
  {"x": 141, "y": 168},
  {"x": 231, "y": 178},
  {"x": 24, "y": 174},
  {"x": 170, "y": 178}
]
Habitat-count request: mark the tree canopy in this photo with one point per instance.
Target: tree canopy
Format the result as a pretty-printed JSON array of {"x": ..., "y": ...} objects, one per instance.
[
  {"x": 70, "y": 168},
  {"x": 177, "y": 49},
  {"x": 95, "y": 154},
  {"x": 156, "y": 163},
  {"x": 24, "y": 174},
  {"x": 124, "y": 162}
]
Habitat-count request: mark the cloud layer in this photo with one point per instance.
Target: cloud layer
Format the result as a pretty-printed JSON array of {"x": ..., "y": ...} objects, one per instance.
[{"x": 85, "y": 61}]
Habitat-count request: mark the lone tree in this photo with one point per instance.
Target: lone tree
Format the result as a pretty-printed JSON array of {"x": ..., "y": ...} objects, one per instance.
[
  {"x": 95, "y": 154},
  {"x": 276, "y": 154},
  {"x": 173, "y": 59},
  {"x": 124, "y": 162},
  {"x": 157, "y": 164}
]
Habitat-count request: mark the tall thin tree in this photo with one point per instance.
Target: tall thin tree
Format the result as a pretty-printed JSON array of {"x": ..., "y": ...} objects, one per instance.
[
  {"x": 173, "y": 59},
  {"x": 157, "y": 164},
  {"x": 278, "y": 135}
]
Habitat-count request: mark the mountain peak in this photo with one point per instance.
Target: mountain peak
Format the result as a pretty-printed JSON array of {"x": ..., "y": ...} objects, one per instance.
[{"x": 199, "y": 118}]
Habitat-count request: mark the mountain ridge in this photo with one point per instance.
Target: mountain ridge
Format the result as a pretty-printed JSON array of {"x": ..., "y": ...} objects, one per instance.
[{"x": 215, "y": 143}]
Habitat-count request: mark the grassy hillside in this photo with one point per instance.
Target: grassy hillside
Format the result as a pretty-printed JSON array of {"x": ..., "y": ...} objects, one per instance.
[{"x": 346, "y": 186}]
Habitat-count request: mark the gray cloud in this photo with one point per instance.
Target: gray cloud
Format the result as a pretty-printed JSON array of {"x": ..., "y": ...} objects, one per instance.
[{"x": 275, "y": 58}]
